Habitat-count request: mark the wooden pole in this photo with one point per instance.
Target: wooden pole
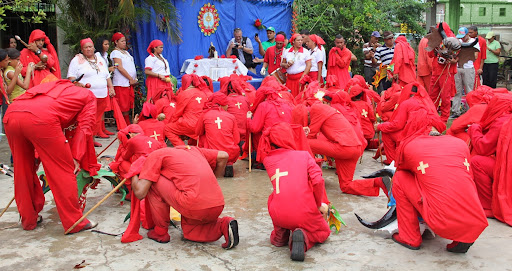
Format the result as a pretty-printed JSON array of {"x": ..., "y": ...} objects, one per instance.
[
  {"x": 250, "y": 154},
  {"x": 7, "y": 207},
  {"x": 96, "y": 206},
  {"x": 380, "y": 148},
  {"x": 106, "y": 147}
]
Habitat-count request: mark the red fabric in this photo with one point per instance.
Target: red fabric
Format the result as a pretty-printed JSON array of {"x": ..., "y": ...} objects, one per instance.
[
  {"x": 166, "y": 105},
  {"x": 502, "y": 186},
  {"x": 403, "y": 59},
  {"x": 85, "y": 41},
  {"x": 280, "y": 134},
  {"x": 444, "y": 194},
  {"x": 117, "y": 36},
  {"x": 308, "y": 95},
  {"x": 482, "y": 168},
  {"x": 294, "y": 201},
  {"x": 279, "y": 37},
  {"x": 192, "y": 80},
  {"x": 52, "y": 71},
  {"x": 441, "y": 89},
  {"x": 482, "y": 55},
  {"x": 101, "y": 104},
  {"x": 218, "y": 98},
  {"x": 424, "y": 60},
  {"x": 349, "y": 112},
  {"x": 148, "y": 110},
  {"x": 118, "y": 114},
  {"x": 293, "y": 83},
  {"x": 156, "y": 88},
  {"x": 338, "y": 64},
  {"x": 317, "y": 40},
  {"x": 154, "y": 129},
  {"x": 483, "y": 94},
  {"x": 140, "y": 145},
  {"x": 367, "y": 118},
  {"x": 273, "y": 58},
  {"x": 294, "y": 36},
  {"x": 50, "y": 108},
  {"x": 238, "y": 106},
  {"x": 500, "y": 104},
  {"x": 208, "y": 81},
  {"x": 389, "y": 102},
  {"x": 124, "y": 97},
  {"x": 217, "y": 129},
  {"x": 460, "y": 125},
  {"x": 152, "y": 45},
  {"x": 189, "y": 107}
]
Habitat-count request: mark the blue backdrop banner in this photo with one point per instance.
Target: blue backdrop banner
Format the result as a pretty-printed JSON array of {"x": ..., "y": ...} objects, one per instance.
[{"x": 232, "y": 14}]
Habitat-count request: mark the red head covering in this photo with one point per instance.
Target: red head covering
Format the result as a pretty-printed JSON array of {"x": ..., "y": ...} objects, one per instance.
[
  {"x": 447, "y": 30},
  {"x": 405, "y": 48},
  {"x": 84, "y": 41},
  {"x": 483, "y": 95},
  {"x": 153, "y": 44},
  {"x": 149, "y": 110},
  {"x": 499, "y": 105},
  {"x": 271, "y": 81},
  {"x": 208, "y": 81},
  {"x": 355, "y": 90},
  {"x": 38, "y": 35},
  {"x": 218, "y": 98},
  {"x": 300, "y": 115},
  {"x": 317, "y": 40},
  {"x": 279, "y": 37},
  {"x": 117, "y": 36},
  {"x": 132, "y": 128},
  {"x": 280, "y": 135},
  {"x": 294, "y": 36},
  {"x": 264, "y": 93},
  {"x": 194, "y": 80},
  {"x": 332, "y": 81}
]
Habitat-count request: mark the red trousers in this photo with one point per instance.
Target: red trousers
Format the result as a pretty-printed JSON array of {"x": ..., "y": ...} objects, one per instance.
[
  {"x": 425, "y": 81},
  {"x": 101, "y": 105},
  {"x": 293, "y": 84},
  {"x": 25, "y": 133},
  {"x": 346, "y": 158},
  {"x": 315, "y": 231},
  {"x": 408, "y": 207},
  {"x": 442, "y": 90},
  {"x": 390, "y": 141},
  {"x": 483, "y": 172},
  {"x": 198, "y": 225},
  {"x": 173, "y": 131},
  {"x": 125, "y": 97}
]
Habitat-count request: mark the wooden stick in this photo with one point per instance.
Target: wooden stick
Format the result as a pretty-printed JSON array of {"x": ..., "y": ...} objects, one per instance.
[
  {"x": 7, "y": 207},
  {"x": 97, "y": 205},
  {"x": 250, "y": 154},
  {"x": 380, "y": 148},
  {"x": 106, "y": 147}
]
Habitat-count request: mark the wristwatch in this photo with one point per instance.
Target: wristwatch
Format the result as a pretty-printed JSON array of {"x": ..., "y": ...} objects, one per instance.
[{"x": 38, "y": 52}]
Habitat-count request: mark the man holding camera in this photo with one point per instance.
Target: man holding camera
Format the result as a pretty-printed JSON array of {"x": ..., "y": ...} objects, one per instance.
[
  {"x": 370, "y": 62},
  {"x": 241, "y": 47}
]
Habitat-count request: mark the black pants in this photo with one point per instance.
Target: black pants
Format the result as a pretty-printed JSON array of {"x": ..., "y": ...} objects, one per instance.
[
  {"x": 369, "y": 72},
  {"x": 490, "y": 74}
]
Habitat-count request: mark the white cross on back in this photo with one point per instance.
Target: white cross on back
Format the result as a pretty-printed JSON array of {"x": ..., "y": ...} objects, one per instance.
[
  {"x": 218, "y": 121},
  {"x": 238, "y": 104},
  {"x": 466, "y": 163},
  {"x": 155, "y": 136},
  {"x": 198, "y": 99},
  {"x": 276, "y": 177},
  {"x": 172, "y": 104},
  {"x": 422, "y": 167},
  {"x": 150, "y": 143},
  {"x": 364, "y": 113}
]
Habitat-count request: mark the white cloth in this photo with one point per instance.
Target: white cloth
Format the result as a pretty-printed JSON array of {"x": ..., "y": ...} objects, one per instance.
[
  {"x": 128, "y": 64},
  {"x": 299, "y": 59},
  {"x": 156, "y": 65},
  {"x": 207, "y": 66},
  {"x": 324, "y": 69},
  {"x": 97, "y": 78},
  {"x": 316, "y": 56},
  {"x": 104, "y": 56}
]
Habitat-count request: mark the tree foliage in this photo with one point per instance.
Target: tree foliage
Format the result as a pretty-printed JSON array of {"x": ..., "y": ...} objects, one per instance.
[
  {"x": 26, "y": 10},
  {"x": 355, "y": 20}
]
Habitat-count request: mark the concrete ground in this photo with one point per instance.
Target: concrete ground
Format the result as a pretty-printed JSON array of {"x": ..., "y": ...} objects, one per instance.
[{"x": 354, "y": 248}]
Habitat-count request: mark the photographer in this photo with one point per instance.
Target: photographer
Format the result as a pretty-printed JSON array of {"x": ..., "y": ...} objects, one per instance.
[
  {"x": 370, "y": 63},
  {"x": 241, "y": 47}
]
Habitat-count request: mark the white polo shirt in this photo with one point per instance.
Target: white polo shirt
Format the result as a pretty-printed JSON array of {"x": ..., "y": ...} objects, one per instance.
[
  {"x": 156, "y": 65},
  {"x": 96, "y": 77},
  {"x": 299, "y": 59},
  {"x": 128, "y": 64},
  {"x": 316, "y": 56}
]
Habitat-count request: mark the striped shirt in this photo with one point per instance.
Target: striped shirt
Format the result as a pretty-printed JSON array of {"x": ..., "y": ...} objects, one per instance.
[{"x": 385, "y": 54}]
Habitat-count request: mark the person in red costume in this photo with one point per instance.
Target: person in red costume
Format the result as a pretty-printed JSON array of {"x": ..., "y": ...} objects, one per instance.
[
  {"x": 424, "y": 66},
  {"x": 433, "y": 181},
  {"x": 238, "y": 104},
  {"x": 166, "y": 105},
  {"x": 339, "y": 61},
  {"x": 298, "y": 200},
  {"x": 217, "y": 129},
  {"x": 342, "y": 103},
  {"x": 366, "y": 115},
  {"x": 44, "y": 71},
  {"x": 442, "y": 83},
  {"x": 124, "y": 135},
  {"x": 191, "y": 188},
  {"x": 190, "y": 101},
  {"x": 486, "y": 136},
  {"x": 403, "y": 59},
  {"x": 35, "y": 123},
  {"x": 268, "y": 109},
  {"x": 413, "y": 97},
  {"x": 389, "y": 102},
  {"x": 297, "y": 62},
  {"x": 272, "y": 58},
  {"x": 315, "y": 43},
  {"x": 340, "y": 142},
  {"x": 477, "y": 101},
  {"x": 157, "y": 72},
  {"x": 150, "y": 124}
]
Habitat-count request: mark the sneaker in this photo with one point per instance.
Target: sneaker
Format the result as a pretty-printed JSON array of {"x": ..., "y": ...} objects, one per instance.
[
  {"x": 396, "y": 237},
  {"x": 458, "y": 247},
  {"x": 233, "y": 237},
  {"x": 298, "y": 243},
  {"x": 229, "y": 171}
]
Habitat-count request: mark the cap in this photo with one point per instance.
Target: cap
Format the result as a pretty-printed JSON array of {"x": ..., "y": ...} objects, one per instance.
[
  {"x": 376, "y": 34},
  {"x": 489, "y": 35},
  {"x": 463, "y": 31},
  {"x": 271, "y": 29}
]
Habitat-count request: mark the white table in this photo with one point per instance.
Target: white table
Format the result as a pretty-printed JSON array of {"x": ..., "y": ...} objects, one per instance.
[{"x": 214, "y": 67}]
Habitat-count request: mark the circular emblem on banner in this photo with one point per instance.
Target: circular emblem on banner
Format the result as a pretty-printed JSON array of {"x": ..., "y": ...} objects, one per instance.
[{"x": 208, "y": 19}]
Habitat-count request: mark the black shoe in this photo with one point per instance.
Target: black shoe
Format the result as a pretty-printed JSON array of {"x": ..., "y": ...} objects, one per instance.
[
  {"x": 298, "y": 243},
  {"x": 459, "y": 247},
  {"x": 229, "y": 171},
  {"x": 233, "y": 234}
]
